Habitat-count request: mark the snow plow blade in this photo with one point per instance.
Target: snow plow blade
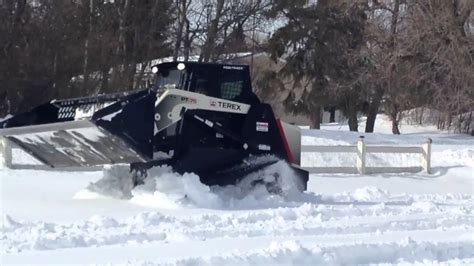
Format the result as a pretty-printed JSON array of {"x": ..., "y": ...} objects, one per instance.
[
  {"x": 110, "y": 135},
  {"x": 72, "y": 144}
]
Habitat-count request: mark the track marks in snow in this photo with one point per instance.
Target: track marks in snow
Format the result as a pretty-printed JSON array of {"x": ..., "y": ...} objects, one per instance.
[
  {"x": 334, "y": 218},
  {"x": 295, "y": 253}
]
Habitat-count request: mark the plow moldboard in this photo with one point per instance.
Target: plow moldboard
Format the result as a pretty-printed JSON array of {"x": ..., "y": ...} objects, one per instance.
[{"x": 72, "y": 144}]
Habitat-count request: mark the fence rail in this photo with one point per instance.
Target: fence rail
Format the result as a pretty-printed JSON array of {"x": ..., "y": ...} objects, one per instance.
[{"x": 361, "y": 149}]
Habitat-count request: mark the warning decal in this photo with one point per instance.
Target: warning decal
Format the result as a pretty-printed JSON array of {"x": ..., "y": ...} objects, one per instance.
[{"x": 262, "y": 126}]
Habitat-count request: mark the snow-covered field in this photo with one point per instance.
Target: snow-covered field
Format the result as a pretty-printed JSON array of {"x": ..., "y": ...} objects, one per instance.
[{"x": 97, "y": 218}]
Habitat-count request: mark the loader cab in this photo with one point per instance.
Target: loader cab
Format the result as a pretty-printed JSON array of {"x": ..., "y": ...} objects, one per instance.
[{"x": 230, "y": 82}]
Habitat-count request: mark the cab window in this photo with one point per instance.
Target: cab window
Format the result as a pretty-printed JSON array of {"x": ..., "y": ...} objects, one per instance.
[
  {"x": 231, "y": 85},
  {"x": 169, "y": 79},
  {"x": 203, "y": 83}
]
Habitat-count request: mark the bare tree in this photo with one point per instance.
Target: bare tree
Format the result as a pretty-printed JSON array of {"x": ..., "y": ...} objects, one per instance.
[
  {"x": 68, "y": 48},
  {"x": 228, "y": 25},
  {"x": 181, "y": 7},
  {"x": 87, "y": 42},
  {"x": 438, "y": 49}
]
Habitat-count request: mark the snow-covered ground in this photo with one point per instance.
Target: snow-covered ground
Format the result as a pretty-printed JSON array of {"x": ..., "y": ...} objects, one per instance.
[{"x": 97, "y": 218}]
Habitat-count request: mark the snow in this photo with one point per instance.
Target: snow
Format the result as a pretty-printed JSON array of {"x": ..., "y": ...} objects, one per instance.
[
  {"x": 172, "y": 219},
  {"x": 166, "y": 189}
]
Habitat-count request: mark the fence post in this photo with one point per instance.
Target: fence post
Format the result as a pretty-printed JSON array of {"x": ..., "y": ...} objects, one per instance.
[
  {"x": 361, "y": 155},
  {"x": 426, "y": 158},
  {"x": 5, "y": 153}
]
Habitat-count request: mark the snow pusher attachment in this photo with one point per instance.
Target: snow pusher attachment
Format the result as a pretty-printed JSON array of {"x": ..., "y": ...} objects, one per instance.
[
  {"x": 201, "y": 118},
  {"x": 82, "y": 132}
]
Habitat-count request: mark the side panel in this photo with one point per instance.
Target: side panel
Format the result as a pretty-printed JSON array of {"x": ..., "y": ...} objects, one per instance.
[
  {"x": 293, "y": 138},
  {"x": 261, "y": 133},
  {"x": 132, "y": 121},
  {"x": 170, "y": 106}
]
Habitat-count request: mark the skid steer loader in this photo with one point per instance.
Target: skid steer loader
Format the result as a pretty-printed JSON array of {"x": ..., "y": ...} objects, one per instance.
[{"x": 201, "y": 118}]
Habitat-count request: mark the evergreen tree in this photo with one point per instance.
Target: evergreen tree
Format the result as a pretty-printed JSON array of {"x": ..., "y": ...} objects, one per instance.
[{"x": 318, "y": 42}]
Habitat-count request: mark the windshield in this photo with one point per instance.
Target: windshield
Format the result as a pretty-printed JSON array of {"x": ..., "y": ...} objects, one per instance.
[{"x": 169, "y": 79}]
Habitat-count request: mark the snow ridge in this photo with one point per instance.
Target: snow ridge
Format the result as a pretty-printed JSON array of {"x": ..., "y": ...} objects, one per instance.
[
  {"x": 371, "y": 225},
  {"x": 294, "y": 253}
]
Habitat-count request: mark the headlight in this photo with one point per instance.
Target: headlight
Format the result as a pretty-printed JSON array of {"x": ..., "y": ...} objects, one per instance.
[{"x": 181, "y": 66}]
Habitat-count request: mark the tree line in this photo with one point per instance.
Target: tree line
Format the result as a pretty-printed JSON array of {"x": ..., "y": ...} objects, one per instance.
[{"x": 358, "y": 56}]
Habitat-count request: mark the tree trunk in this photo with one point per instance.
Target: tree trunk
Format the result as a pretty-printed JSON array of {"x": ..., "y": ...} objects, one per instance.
[
  {"x": 395, "y": 129},
  {"x": 468, "y": 124},
  {"x": 56, "y": 88},
  {"x": 461, "y": 15},
  {"x": 141, "y": 74},
  {"x": 121, "y": 44},
  {"x": 394, "y": 23},
  {"x": 130, "y": 76},
  {"x": 11, "y": 49},
  {"x": 370, "y": 123},
  {"x": 316, "y": 118},
  {"x": 353, "y": 123},
  {"x": 187, "y": 41},
  {"x": 123, "y": 74},
  {"x": 332, "y": 114},
  {"x": 20, "y": 7},
  {"x": 373, "y": 111},
  {"x": 395, "y": 126},
  {"x": 4, "y": 107},
  {"x": 392, "y": 48},
  {"x": 420, "y": 118},
  {"x": 209, "y": 45},
  {"x": 85, "y": 66},
  {"x": 181, "y": 6},
  {"x": 104, "y": 84}
]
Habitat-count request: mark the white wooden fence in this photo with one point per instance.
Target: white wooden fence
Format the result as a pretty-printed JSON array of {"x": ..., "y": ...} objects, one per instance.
[{"x": 361, "y": 150}]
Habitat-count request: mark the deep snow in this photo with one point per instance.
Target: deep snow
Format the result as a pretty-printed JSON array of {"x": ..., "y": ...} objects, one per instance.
[{"x": 97, "y": 218}]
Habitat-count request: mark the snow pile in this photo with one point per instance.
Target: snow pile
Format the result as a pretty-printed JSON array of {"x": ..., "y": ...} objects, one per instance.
[
  {"x": 8, "y": 223},
  {"x": 423, "y": 206},
  {"x": 115, "y": 183},
  {"x": 163, "y": 188},
  {"x": 369, "y": 194},
  {"x": 281, "y": 185},
  {"x": 166, "y": 189}
]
